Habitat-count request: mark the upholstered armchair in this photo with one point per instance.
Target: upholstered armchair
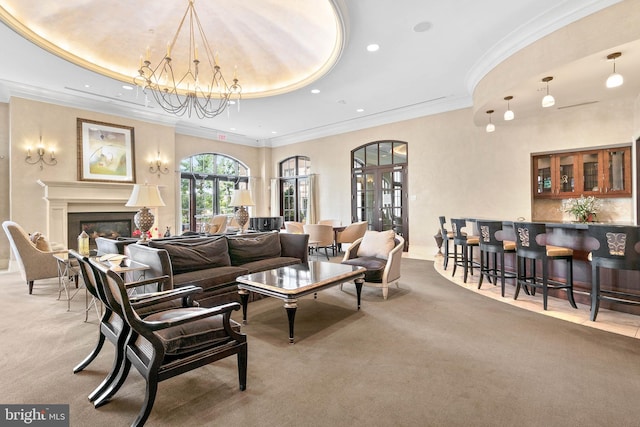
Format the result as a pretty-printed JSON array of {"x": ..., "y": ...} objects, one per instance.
[
  {"x": 294, "y": 227},
  {"x": 381, "y": 254},
  {"x": 218, "y": 224},
  {"x": 35, "y": 264},
  {"x": 351, "y": 233},
  {"x": 320, "y": 237}
]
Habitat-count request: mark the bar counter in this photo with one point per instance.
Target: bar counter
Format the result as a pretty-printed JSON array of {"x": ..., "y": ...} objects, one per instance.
[{"x": 576, "y": 236}]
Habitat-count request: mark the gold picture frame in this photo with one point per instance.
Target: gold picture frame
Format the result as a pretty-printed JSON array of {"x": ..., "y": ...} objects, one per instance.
[{"x": 105, "y": 152}]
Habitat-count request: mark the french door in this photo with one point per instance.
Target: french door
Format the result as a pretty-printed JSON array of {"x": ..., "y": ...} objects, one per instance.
[{"x": 379, "y": 191}]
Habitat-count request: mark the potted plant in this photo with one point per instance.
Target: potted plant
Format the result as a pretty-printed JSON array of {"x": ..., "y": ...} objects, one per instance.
[{"x": 584, "y": 209}]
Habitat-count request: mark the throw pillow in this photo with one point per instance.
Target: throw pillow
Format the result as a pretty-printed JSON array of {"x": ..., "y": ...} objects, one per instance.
[
  {"x": 377, "y": 244},
  {"x": 195, "y": 254},
  {"x": 40, "y": 242},
  {"x": 248, "y": 248}
]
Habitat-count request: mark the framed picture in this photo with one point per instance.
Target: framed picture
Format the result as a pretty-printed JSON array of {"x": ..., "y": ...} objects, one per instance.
[{"x": 105, "y": 152}]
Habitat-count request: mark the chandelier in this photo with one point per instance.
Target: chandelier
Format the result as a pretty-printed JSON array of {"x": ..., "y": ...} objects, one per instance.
[{"x": 202, "y": 89}]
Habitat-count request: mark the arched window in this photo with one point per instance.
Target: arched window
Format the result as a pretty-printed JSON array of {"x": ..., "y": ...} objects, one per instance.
[
  {"x": 294, "y": 188},
  {"x": 206, "y": 184}
]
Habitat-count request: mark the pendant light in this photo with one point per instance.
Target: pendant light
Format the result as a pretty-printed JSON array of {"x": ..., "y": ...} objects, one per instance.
[
  {"x": 548, "y": 100},
  {"x": 490, "y": 126},
  {"x": 614, "y": 79},
  {"x": 508, "y": 115}
]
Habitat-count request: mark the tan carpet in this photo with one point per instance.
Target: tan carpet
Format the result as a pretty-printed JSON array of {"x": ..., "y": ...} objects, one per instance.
[{"x": 433, "y": 354}]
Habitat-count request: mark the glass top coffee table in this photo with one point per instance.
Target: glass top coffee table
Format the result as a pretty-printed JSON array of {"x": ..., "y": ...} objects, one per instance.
[{"x": 295, "y": 281}]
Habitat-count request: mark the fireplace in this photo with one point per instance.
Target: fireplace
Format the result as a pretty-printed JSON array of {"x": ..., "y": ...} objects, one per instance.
[{"x": 99, "y": 224}]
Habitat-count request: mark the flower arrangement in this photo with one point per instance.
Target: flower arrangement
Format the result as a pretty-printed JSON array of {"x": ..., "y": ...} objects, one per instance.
[{"x": 584, "y": 209}]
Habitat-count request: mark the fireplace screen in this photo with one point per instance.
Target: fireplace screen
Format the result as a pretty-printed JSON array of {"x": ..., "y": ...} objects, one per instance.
[{"x": 108, "y": 224}]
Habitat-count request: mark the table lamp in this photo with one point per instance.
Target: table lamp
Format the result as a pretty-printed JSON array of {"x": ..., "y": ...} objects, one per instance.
[
  {"x": 144, "y": 196},
  {"x": 240, "y": 199}
]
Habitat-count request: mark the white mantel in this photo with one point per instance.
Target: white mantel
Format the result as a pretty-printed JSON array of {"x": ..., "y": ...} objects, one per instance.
[{"x": 63, "y": 197}]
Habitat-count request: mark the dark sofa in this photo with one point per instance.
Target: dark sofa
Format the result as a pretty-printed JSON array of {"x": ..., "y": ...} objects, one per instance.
[{"x": 214, "y": 262}]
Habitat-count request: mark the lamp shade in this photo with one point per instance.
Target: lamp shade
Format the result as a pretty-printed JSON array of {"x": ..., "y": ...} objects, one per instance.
[
  {"x": 241, "y": 198},
  {"x": 145, "y": 195}
]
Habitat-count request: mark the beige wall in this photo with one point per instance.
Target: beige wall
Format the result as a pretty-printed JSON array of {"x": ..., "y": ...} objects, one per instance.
[
  {"x": 4, "y": 182},
  {"x": 456, "y": 169}
]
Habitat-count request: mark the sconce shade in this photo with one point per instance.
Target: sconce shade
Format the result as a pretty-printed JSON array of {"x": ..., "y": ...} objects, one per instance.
[
  {"x": 241, "y": 198},
  {"x": 145, "y": 195}
]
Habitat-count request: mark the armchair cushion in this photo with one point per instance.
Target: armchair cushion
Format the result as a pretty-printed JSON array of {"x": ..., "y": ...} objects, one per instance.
[
  {"x": 377, "y": 244},
  {"x": 195, "y": 254},
  {"x": 192, "y": 336},
  {"x": 247, "y": 248},
  {"x": 375, "y": 267}
]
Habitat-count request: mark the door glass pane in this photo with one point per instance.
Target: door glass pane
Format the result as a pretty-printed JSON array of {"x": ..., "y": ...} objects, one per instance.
[
  {"x": 303, "y": 198},
  {"x": 399, "y": 152},
  {"x": 590, "y": 171},
  {"x": 204, "y": 203},
  {"x": 372, "y": 155},
  {"x": 369, "y": 198},
  {"x": 386, "y": 205},
  {"x": 386, "y": 153},
  {"x": 360, "y": 197},
  {"x": 185, "y": 219},
  {"x": 616, "y": 170},
  {"x": 567, "y": 177},
  {"x": 289, "y": 200},
  {"x": 358, "y": 158},
  {"x": 543, "y": 166},
  {"x": 225, "y": 190}
]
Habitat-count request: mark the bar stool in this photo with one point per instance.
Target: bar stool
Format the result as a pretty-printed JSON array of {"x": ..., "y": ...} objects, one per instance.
[
  {"x": 529, "y": 249},
  {"x": 492, "y": 243},
  {"x": 466, "y": 244},
  {"x": 618, "y": 249},
  {"x": 447, "y": 236}
]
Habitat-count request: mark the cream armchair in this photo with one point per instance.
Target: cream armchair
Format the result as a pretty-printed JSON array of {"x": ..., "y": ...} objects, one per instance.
[
  {"x": 294, "y": 227},
  {"x": 380, "y": 253},
  {"x": 218, "y": 224},
  {"x": 351, "y": 233},
  {"x": 34, "y": 263}
]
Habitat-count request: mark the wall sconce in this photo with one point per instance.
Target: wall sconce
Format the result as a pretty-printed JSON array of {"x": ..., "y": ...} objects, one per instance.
[
  {"x": 614, "y": 79},
  {"x": 490, "y": 126},
  {"x": 158, "y": 166},
  {"x": 548, "y": 100},
  {"x": 41, "y": 159},
  {"x": 508, "y": 115}
]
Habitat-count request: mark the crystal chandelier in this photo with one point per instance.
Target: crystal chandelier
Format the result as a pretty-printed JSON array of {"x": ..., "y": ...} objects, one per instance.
[{"x": 202, "y": 89}]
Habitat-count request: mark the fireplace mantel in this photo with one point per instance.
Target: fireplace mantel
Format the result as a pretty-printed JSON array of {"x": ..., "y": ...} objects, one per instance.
[{"x": 63, "y": 197}]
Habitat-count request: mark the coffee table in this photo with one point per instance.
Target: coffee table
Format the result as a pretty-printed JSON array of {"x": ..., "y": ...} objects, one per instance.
[{"x": 294, "y": 281}]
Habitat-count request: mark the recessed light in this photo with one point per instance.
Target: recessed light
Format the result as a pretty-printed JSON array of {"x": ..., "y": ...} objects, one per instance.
[
  {"x": 87, "y": 85},
  {"x": 315, "y": 90},
  {"x": 359, "y": 110},
  {"x": 232, "y": 128},
  {"x": 421, "y": 27},
  {"x": 373, "y": 47},
  {"x": 127, "y": 87},
  {"x": 273, "y": 132}
]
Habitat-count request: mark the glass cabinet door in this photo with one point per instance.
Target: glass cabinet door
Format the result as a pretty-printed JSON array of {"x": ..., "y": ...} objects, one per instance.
[
  {"x": 543, "y": 182},
  {"x": 591, "y": 173},
  {"x": 617, "y": 171},
  {"x": 566, "y": 174}
]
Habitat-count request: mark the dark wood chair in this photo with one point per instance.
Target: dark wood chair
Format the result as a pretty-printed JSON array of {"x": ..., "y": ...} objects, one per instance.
[
  {"x": 447, "y": 238},
  {"x": 618, "y": 249},
  {"x": 466, "y": 243},
  {"x": 112, "y": 325},
  {"x": 531, "y": 247},
  {"x": 493, "y": 246},
  {"x": 172, "y": 342}
]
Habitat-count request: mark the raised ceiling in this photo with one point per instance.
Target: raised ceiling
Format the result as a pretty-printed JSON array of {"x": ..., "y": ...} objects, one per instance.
[{"x": 431, "y": 56}]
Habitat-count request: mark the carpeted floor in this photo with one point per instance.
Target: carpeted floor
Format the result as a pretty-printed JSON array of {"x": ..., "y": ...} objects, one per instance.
[{"x": 433, "y": 354}]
